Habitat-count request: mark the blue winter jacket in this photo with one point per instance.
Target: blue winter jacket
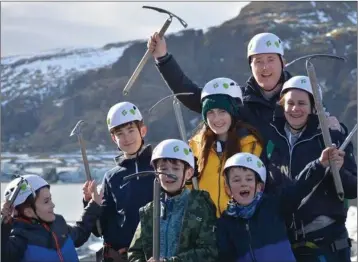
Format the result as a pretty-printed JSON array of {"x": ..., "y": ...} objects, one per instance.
[
  {"x": 263, "y": 237},
  {"x": 31, "y": 241},
  {"x": 122, "y": 200},
  {"x": 286, "y": 162}
]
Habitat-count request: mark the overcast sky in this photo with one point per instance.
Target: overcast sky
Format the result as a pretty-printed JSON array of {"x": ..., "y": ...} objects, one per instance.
[{"x": 30, "y": 27}]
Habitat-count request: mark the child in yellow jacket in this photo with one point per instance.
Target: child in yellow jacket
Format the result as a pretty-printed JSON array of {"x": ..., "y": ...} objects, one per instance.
[{"x": 221, "y": 136}]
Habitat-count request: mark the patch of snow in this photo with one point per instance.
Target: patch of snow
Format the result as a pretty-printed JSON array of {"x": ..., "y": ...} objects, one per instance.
[
  {"x": 352, "y": 16},
  {"x": 313, "y": 3},
  {"x": 307, "y": 22},
  {"x": 322, "y": 17},
  {"x": 180, "y": 33},
  {"x": 287, "y": 45}
]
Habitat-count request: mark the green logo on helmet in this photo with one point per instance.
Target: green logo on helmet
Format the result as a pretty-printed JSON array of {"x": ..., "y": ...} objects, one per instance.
[
  {"x": 132, "y": 111},
  {"x": 108, "y": 121},
  {"x": 277, "y": 44},
  {"x": 124, "y": 112},
  {"x": 259, "y": 164},
  {"x": 23, "y": 187},
  {"x": 268, "y": 43},
  {"x": 226, "y": 85},
  {"x": 303, "y": 81},
  {"x": 216, "y": 85},
  {"x": 186, "y": 151},
  {"x": 176, "y": 149},
  {"x": 249, "y": 159}
]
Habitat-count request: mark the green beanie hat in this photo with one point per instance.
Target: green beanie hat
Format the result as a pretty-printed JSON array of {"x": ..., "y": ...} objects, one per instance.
[{"x": 224, "y": 102}]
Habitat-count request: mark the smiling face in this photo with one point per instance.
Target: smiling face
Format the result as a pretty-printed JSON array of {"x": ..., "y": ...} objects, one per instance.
[
  {"x": 266, "y": 69},
  {"x": 243, "y": 185},
  {"x": 129, "y": 137},
  {"x": 174, "y": 167},
  {"x": 44, "y": 206},
  {"x": 297, "y": 107},
  {"x": 219, "y": 121}
]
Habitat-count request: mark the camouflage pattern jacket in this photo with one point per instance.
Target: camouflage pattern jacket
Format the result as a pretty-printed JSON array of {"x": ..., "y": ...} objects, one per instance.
[{"x": 197, "y": 241}]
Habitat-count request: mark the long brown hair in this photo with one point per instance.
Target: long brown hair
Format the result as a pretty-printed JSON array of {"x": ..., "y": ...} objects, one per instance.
[{"x": 232, "y": 145}]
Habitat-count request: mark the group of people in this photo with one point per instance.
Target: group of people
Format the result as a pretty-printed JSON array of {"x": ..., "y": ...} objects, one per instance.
[{"x": 265, "y": 191}]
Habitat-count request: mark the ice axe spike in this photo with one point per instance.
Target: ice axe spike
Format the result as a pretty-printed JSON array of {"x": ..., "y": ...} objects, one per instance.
[
  {"x": 77, "y": 130},
  {"x": 147, "y": 54}
]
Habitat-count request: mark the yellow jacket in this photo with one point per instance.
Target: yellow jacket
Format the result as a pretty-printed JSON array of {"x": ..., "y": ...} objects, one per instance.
[{"x": 214, "y": 183}]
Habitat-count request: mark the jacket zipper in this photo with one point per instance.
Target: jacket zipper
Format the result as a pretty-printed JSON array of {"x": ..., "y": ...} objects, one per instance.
[
  {"x": 182, "y": 222},
  {"x": 58, "y": 249},
  {"x": 292, "y": 147},
  {"x": 250, "y": 240}
]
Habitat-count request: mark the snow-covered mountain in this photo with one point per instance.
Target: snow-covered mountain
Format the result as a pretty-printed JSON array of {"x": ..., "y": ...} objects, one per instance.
[{"x": 50, "y": 72}]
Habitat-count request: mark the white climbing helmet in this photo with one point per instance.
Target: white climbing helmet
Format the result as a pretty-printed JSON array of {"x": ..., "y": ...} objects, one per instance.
[
  {"x": 221, "y": 86},
  {"x": 299, "y": 82},
  {"x": 249, "y": 161},
  {"x": 265, "y": 43},
  {"x": 28, "y": 187},
  {"x": 175, "y": 149},
  {"x": 122, "y": 113}
]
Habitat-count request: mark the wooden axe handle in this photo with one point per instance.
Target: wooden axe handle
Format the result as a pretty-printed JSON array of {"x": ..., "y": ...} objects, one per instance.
[{"x": 144, "y": 60}]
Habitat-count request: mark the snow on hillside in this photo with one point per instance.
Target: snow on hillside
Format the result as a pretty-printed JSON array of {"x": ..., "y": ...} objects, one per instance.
[{"x": 50, "y": 71}]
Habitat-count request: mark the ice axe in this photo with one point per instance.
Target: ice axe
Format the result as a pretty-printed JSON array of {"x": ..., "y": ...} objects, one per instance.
[
  {"x": 77, "y": 130},
  {"x": 14, "y": 194},
  {"x": 180, "y": 122},
  {"x": 147, "y": 53},
  {"x": 156, "y": 207},
  {"x": 324, "y": 127}
]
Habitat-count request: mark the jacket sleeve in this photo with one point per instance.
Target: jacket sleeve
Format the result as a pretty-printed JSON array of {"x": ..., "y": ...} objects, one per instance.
[
  {"x": 178, "y": 82},
  {"x": 135, "y": 251},
  {"x": 205, "y": 248},
  {"x": 81, "y": 231},
  {"x": 13, "y": 245},
  {"x": 292, "y": 195},
  {"x": 224, "y": 243}
]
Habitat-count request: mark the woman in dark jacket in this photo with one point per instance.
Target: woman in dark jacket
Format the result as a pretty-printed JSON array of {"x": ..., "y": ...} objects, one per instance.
[{"x": 317, "y": 229}]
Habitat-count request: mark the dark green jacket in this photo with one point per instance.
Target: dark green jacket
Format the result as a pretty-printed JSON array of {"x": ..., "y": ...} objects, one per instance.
[{"x": 197, "y": 237}]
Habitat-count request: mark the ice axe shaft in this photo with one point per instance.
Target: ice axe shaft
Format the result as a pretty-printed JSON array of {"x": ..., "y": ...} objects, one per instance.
[
  {"x": 156, "y": 220},
  {"x": 147, "y": 54},
  {"x": 77, "y": 130},
  {"x": 144, "y": 60},
  {"x": 324, "y": 127}
]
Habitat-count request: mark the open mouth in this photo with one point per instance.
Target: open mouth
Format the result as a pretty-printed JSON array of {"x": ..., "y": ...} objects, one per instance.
[
  {"x": 219, "y": 125},
  {"x": 266, "y": 75},
  {"x": 244, "y": 193}
]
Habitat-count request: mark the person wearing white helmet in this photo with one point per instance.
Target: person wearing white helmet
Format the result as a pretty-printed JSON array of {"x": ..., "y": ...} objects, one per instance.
[
  {"x": 121, "y": 200},
  {"x": 253, "y": 227},
  {"x": 296, "y": 141},
  {"x": 265, "y": 54},
  {"x": 221, "y": 136},
  {"x": 35, "y": 232},
  {"x": 186, "y": 215}
]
